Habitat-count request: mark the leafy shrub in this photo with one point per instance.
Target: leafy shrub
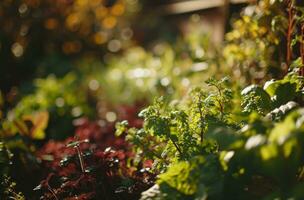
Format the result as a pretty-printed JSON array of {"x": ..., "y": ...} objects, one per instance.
[
  {"x": 224, "y": 155},
  {"x": 171, "y": 134}
]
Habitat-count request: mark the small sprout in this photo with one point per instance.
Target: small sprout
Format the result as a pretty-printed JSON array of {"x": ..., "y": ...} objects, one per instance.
[
  {"x": 76, "y": 145},
  {"x": 45, "y": 184}
]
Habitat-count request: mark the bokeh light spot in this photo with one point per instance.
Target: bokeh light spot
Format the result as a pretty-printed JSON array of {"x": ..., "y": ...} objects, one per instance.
[
  {"x": 94, "y": 84},
  {"x": 100, "y": 38},
  {"x": 51, "y": 24},
  {"x": 23, "y": 8},
  {"x": 111, "y": 116},
  {"x": 118, "y": 9},
  {"x": 114, "y": 45},
  {"x": 109, "y": 22},
  {"x": 72, "y": 22},
  {"x": 17, "y": 49}
]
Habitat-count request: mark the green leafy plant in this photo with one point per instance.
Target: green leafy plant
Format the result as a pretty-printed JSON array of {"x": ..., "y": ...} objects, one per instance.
[
  {"x": 9, "y": 190},
  {"x": 171, "y": 133},
  {"x": 273, "y": 94},
  {"x": 59, "y": 99},
  {"x": 204, "y": 148},
  {"x": 248, "y": 163}
]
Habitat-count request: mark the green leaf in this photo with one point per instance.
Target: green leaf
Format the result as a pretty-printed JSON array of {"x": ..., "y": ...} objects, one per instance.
[
  {"x": 40, "y": 122},
  {"x": 279, "y": 113},
  {"x": 281, "y": 91},
  {"x": 121, "y": 127},
  {"x": 189, "y": 177},
  {"x": 255, "y": 99}
]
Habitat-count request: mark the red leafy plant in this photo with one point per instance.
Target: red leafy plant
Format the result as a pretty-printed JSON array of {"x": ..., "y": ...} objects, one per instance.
[{"x": 93, "y": 164}]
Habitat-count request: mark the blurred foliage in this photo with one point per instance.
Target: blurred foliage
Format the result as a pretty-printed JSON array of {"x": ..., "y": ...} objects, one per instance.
[
  {"x": 261, "y": 39},
  {"x": 68, "y": 28},
  {"x": 59, "y": 98},
  {"x": 94, "y": 88},
  {"x": 166, "y": 69},
  {"x": 32, "y": 126},
  {"x": 256, "y": 45}
]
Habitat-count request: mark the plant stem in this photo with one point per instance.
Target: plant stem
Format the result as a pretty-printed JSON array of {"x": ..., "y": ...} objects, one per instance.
[
  {"x": 291, "y": 24},
  {"x": 201, "y": 120},
  {"x": 302, "y": 50},
  {"x": 52, "y": 191},
  {"x": 219, "y": 101},
  {"x": 301, "y": 174},
  {"x": 176, "y": 146},
  {"x": 80, "y": 158}
]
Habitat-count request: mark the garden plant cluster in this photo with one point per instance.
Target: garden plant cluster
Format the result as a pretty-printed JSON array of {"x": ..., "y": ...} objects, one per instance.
[{"x": 176, "y": 120}]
